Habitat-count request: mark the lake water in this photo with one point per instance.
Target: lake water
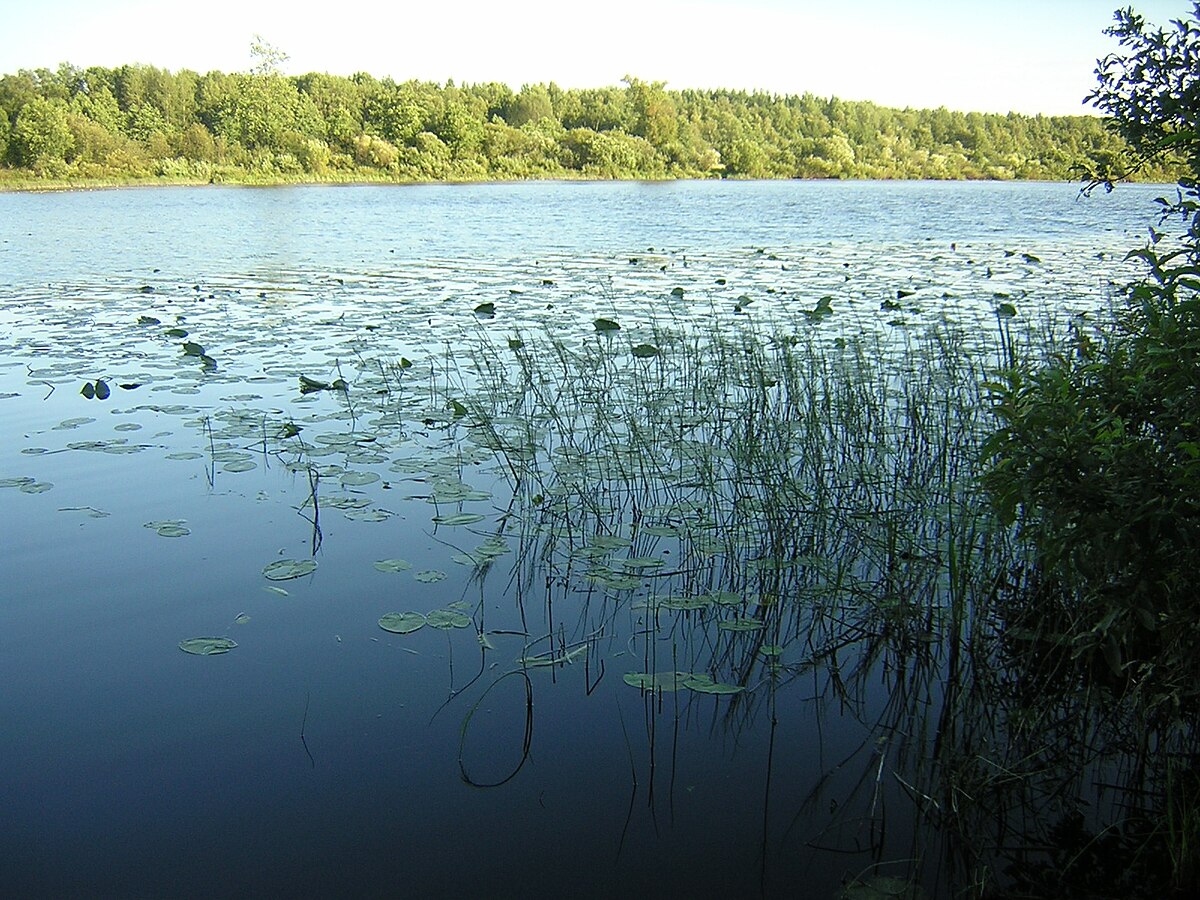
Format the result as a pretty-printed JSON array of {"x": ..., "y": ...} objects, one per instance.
[{"x": 324, "y": 754}]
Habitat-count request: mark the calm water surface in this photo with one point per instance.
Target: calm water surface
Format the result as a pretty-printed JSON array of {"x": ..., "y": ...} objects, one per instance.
[{"x": 130, "y": 768}]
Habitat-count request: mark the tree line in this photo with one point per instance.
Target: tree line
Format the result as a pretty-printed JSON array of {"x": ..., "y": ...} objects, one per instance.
[{"x": 141, "y": 122}]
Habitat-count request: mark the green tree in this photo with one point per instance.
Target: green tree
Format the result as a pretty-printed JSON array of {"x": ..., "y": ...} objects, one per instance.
[
  {"x": 1097, "y": 457},
  {"x": 42, "y": 136}
]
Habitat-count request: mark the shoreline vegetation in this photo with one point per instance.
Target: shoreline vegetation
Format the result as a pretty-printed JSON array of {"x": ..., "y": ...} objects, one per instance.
[{"x": 139, "y": 125}]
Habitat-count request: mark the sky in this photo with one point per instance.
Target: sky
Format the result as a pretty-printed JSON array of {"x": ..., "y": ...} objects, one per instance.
[{"x": 1027, "y": 56}]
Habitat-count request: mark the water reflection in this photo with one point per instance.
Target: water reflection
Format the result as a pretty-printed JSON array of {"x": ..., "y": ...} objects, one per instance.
[{"x": 708, "y": 603}]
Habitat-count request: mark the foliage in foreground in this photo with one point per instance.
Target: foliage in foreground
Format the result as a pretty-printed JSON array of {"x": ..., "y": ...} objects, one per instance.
[
  {"x": 1097, "y": 457},
  {"x": 139, "y": 122}
]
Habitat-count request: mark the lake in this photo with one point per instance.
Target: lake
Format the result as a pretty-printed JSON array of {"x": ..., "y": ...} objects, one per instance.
[{"x": 376, "y": 446}]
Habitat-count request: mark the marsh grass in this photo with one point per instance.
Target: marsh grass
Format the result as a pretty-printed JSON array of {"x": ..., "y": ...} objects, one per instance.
[{"x": 758, "y": 508}]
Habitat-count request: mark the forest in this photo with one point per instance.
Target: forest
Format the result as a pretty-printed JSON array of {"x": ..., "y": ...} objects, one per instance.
[{"x": 140, "y": 123}]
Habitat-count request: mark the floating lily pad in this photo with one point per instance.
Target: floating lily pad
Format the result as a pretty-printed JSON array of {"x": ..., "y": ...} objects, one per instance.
[
  {"x": 170, "y": 528},
  {"x": 704, "y": 684},
  {"x": 430, "y": 576},
  {"x": 35, "y": 487},
  {"x": 402, "y": 623},
  {"x": 553, "y": 658},
  {"x": 740, "y": 625},
  {"x": 16, "y": 482},
  {"x": 447, "y": 619},
  {"x": 458, "y": 519},
  {"x": 284, "y": 569},
  {"x": 369, "y": 515},
  {"x": 659, "y": 681},
  {"x": 606, "y": 325},
  {"x": 358, "y": 478},
  {"x": 239, "y": 465},
  {"x": 393, "y": 565},
  {"x": 90, "y": 510},
  {"x": 645, "y": 351},
  {"x": 207, "y": 646}
]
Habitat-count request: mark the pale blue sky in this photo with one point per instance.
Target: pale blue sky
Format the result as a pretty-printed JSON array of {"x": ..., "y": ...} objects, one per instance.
[{"x": 1030, "y": 56}]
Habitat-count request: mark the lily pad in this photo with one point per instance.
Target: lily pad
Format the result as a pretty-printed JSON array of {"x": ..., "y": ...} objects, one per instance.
[
  {"x": 284, "y": 569},
  {"x": 458, "y": 519},
  {"x": 402, "y": 623},
  {"x": 207, "y": 646},
  {"x": 393, "y": 565},
  {"x": 659, "y": 681},
  {"x": 704, "y": 684},
  {"x": 430, "y": 576},
  {"x": 170, "y": 528},
  {"x": 447, "y": 619},
  {"x": 740, "y": 625}
]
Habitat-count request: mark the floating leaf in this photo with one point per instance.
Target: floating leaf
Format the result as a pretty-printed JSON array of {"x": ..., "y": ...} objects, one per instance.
[
  {"x": 606, "y": 325},
  {"x": 645, "y": 351},
  {"x": 207, "y": 646},
  {"x": 703, "y": 684},
  {"x": 553, "y": 658},
  {"x": 90, "y": 510},
  {"x": 148, "y": 320},
  {"x": 276, "y": 590},
  {"x": 677, "y": 292},
  {"x": 486, "y": 309},
  {"x": 239, "y": 465},
  {"x": 359, "y": 478},
  {"x": 170, "y": 528},
  {"x": 176, "y": 333},
  {"x": 402, "y": 623},
  {"x": 660, "y": 681},
  {"x": 458, "y": 519},
  {"x": 447, "y": 619},
  {"x": 284, "y": 569},
  {"x": 35, "y": 487},
  {"x": 241, "y": 619},
  {"x": 430, "y": 576},
  {"x": 88, "y": 390},
  {"x": 393, "y": 565},
  {"x": 191, "y": 348},
  {"x": 740, "y": 625}
]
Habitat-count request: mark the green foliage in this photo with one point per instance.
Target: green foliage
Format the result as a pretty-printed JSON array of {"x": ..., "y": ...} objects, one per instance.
[
  {"x": 42, "y": 136},
  {"x": 137, "y": 121},
  {"x": 1097, "y": 456}
]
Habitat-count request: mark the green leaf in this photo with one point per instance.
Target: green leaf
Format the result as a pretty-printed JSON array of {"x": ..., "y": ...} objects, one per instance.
[
  {"x": 402, "y": 623},
  {"x": 645, "y": 351},
  {"x": 393, "y": 565},
  {"x": 606, "y": 325},
  {"x": 447, "y": 619},
  {"x": 704, "y": 684},
  {"x": 747, "y": 624},
  {"x": 458, "y": 519},
  {"x": 285, "y": 569},
  {"x": 207, "y": 646},
  {"x": 659, "y": 681},
  {"x": 191, "y": 348}
]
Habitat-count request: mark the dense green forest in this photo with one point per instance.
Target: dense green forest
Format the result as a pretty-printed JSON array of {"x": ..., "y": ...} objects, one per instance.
[{"x": 139, "y": 122}]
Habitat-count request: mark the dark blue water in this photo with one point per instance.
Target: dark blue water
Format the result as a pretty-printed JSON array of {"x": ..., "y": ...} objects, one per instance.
[{"x": 130, "y": 768}]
